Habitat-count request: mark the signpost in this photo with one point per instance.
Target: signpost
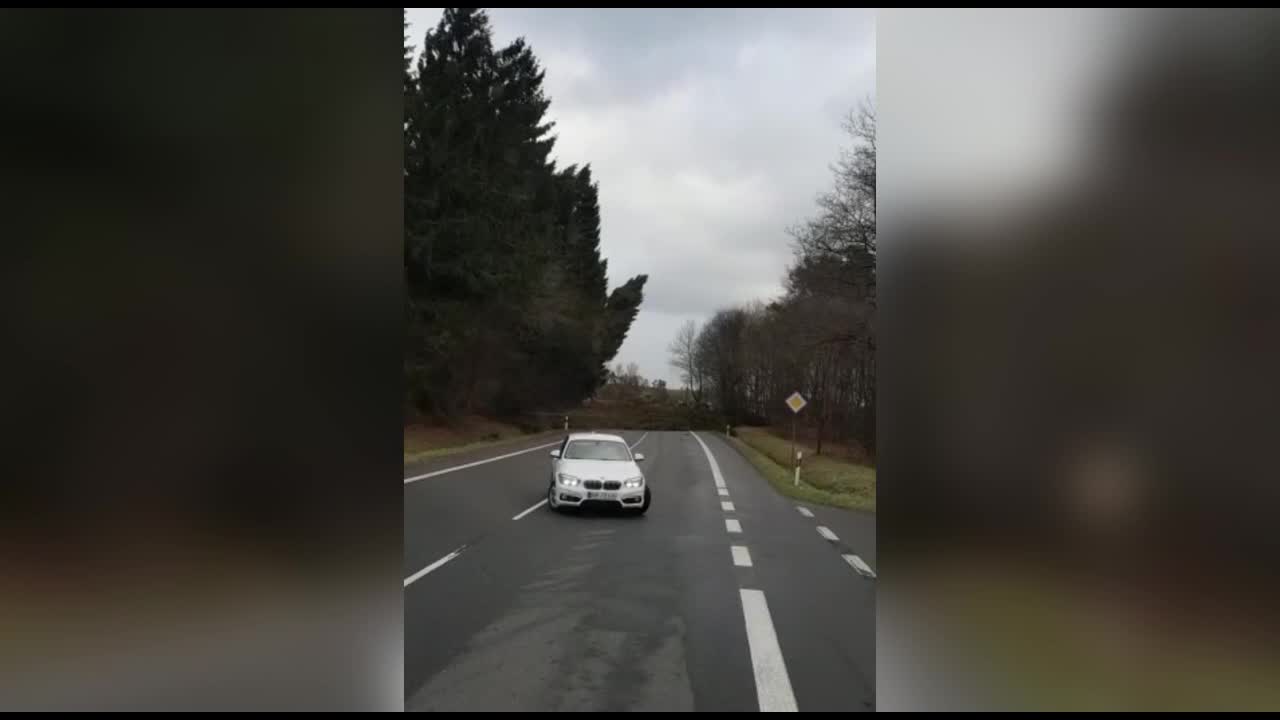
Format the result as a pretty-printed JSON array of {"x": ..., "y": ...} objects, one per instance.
[{"x": 796, "y": 402}]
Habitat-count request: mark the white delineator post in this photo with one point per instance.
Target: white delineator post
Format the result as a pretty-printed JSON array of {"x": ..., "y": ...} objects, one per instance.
[
  {"x": 566, "y": 422},
  {"x": 799, "y": 457}
]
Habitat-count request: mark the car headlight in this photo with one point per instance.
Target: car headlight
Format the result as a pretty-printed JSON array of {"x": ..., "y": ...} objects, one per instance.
[
  {"x": 633, "y": 482},
  {"x": 568, "y": 480}
]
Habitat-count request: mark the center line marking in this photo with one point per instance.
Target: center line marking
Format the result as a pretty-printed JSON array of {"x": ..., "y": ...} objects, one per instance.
[
  {"x": 539, "y": 504},
  {"x": 773, "y": 686},
  {"x": 859, "y": 565},
  {"x": 804, "y": 511},
  {"x": 741, "y": 556},
  {"x": 724, "y": 492},
  {"x": 732, "y": 525},
  {"x": 715, "y": 468},
  {"x": 418, "y": 575},
  {"x": 726, "y": 506},
  {"x": 825, "y": 532}
]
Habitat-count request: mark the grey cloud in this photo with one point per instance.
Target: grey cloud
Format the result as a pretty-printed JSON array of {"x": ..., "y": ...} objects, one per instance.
[
  {"x": 710, "y": 132},
  {"x": 642, "y": 50}
]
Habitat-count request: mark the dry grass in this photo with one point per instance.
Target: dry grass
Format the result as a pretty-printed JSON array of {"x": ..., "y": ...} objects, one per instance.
[
  {"x": 424, "y": 441},
  {"x": 823, "y": 479},
  {"x": 807, "y": 437}
]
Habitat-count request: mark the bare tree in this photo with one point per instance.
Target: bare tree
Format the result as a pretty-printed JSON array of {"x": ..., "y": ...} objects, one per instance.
[
  {"x": 844, "y": 231},
  {"x": 684, "y": 357},
  {"x": 819, "y": 337}
]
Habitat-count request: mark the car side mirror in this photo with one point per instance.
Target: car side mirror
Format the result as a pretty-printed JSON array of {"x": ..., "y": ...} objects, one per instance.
[
  {"x": 555, "y": 453},
  {"x": 639, "y": 457}
]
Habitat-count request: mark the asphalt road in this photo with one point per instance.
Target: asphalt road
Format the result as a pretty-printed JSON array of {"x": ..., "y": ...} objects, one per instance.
[{"x": 512, "y": 608}]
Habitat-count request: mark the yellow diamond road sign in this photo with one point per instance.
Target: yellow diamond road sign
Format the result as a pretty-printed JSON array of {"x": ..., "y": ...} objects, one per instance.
[{"x": 796, "y": 402}]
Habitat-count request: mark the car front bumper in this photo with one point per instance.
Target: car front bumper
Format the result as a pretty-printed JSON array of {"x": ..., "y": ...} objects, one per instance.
[{"x": 577, "y": 496}]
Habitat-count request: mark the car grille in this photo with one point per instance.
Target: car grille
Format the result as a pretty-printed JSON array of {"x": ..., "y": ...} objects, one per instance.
[
  {"x": 612, "y": 485},
  {"x": 591, "y": 484}
]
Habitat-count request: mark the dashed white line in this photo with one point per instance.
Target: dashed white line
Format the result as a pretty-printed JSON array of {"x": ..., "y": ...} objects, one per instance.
[
  {"x": 642, "y": 437},
  {"x": 773, "y": 686},
  {"x": 825, "y": 532},
  {"x": 805, "y": 511},
  {"x": 540, "y": 503},
  {"x": 732, "y": 525},
  {"x": 724, "y": 492},
  {"x": 859, "y": 565},
  {"x": 726, "y": 506},
  {"x": 715, "y": 468},
  {"x": 456, "y": 468},
  {"x": 416, "y": 576},
  {"x": 741, "y": 556}
]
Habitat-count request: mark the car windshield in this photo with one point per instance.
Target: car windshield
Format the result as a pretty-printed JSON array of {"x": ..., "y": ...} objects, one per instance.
[{"x": 596, "y": 450}]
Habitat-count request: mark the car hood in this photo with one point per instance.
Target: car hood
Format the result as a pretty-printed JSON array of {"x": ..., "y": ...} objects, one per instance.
[{"x": 600, "y": 469}]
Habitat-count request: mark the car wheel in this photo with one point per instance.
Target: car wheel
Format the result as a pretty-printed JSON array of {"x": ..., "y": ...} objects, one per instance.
[{"x": 551, "y": 498}]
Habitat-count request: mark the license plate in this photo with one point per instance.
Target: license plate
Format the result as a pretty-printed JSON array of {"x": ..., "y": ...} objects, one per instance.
[{"x": 600, "y": 496}]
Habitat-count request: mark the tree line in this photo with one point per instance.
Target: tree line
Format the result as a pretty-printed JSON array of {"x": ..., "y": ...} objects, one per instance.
[
  {"x": 508, "y": 306},
  {"x": 818, "y": 338}
]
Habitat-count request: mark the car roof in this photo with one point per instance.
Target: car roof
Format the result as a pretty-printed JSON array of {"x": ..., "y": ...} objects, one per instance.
[{"x": 596, "y": 436}]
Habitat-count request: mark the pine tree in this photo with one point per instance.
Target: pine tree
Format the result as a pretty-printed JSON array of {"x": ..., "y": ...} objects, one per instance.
[{"x": 507, "y": 292}]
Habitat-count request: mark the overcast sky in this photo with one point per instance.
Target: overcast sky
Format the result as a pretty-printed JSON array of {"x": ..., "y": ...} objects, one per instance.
[{"x": 709, "y": 132}]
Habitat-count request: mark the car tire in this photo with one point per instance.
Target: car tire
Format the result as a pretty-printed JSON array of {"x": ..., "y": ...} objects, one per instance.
[{"x": 551, "y": 499}]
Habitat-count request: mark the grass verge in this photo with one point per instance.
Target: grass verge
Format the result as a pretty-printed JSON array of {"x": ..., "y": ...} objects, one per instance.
[{"x": 823, "y": 480}]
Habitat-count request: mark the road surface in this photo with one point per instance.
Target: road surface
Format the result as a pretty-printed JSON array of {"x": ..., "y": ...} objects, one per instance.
[{"x": 725, "y": 596}]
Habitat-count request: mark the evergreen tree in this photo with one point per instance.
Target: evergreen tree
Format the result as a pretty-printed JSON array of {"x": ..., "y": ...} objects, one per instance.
[{"x": 507, "y": 293}]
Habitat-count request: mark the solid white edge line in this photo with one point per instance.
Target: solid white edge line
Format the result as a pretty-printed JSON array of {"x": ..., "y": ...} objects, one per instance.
[
  {"x": 859, "y": 565},
  {"x": 642, "y": 437},
  {"x": 726, "y": 506},
  {"x": 805, "y": 511},
  {"x": 416, "y": 576},
  {"x": 724, "y": 492},
  {"x": 741, "y": 556},
  {"x": 539, "y": 504},
  {"x": 732, "y": 525},
  {"x": 773, "y": 685},
  {"x": 825, "y": 532},
  {"x": 715, "y": 468},
  {"x": 456, "y": 468}
]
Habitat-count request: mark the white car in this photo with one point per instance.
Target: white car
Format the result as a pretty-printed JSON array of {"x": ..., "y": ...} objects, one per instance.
[{"x": 594, "y": 467}]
